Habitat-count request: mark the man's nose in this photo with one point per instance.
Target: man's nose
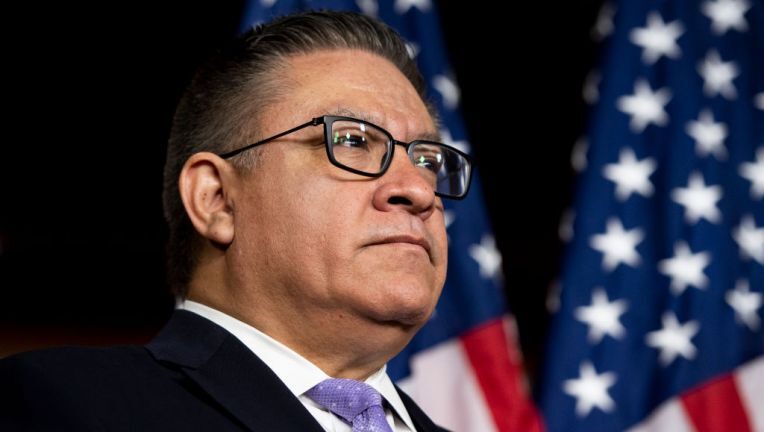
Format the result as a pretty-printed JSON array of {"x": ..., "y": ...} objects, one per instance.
[{"x": 404, "y": 187}]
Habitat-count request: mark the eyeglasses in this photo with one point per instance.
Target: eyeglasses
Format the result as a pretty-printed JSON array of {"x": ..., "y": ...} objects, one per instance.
[{"x": 366, "y": 149}]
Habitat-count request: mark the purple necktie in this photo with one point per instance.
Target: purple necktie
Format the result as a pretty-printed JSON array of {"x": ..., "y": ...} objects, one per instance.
[{"x": 356, "y": 402}]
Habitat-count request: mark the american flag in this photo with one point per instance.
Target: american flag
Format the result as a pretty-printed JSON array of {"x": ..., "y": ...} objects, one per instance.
[
  {"x": 659, "y": 326},
  {"x": 462, "y": 367}
]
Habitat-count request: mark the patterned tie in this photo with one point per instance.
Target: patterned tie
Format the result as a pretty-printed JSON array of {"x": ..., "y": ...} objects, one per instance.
[{"x": 356, "y": 402}]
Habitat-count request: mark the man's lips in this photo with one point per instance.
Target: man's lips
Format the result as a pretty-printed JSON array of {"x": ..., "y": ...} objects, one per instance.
[{"x": 404, "y": 238}]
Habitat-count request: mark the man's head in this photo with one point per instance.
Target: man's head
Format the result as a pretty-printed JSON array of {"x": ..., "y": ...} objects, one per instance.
[{"x": 278, "y": 236}]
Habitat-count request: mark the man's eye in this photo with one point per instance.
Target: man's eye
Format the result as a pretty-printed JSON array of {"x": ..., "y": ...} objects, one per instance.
[
  {"x": 429, "y": 162},
  {"x": 350, "y": 139}
]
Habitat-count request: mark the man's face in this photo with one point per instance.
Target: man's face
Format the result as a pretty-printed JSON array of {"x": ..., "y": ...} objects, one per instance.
[{"x": 328, "y": 246}]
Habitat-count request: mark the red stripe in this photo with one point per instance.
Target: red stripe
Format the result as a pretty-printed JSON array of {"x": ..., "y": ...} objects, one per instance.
[
  {"x": 716, "y": 406},
  {"x": 496, "y": 364}
]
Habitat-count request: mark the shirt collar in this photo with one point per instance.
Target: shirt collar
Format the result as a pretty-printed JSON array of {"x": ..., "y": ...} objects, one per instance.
[{"x": 297, "y": 372}]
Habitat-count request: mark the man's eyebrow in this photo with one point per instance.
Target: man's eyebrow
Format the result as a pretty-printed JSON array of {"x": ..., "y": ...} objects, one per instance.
[
  {"x": 347, "y": 112},
  {"x": 430, "y": 136}
]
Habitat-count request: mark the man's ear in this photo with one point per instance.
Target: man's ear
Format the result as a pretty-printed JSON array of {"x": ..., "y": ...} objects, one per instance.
[{"x": 205, "y": 185}]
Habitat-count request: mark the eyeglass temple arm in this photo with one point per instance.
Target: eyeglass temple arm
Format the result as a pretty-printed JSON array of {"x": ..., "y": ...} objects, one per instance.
[{"x": 314, "y": 122}]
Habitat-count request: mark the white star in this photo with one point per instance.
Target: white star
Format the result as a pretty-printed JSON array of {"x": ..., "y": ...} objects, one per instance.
[
  {"x": 698, "y": 200},
  {"x": 267, "y": 3},
  {"x": 591, "y": 92},
  {"x": 726, "y": 14},
  {"x": 578, "y": 155},
  {"x": 746, "y": 304},
  {"x": 754, "y": 172},
  {"x": 565, "y": 230},
  {"x": 604, "y": 25},
  {"x": 447, "y": 89},
  {"x": 750, "y": 239},
  {"x": 617, "y": 245},
  {"x": 553, "y": 297},
  {"x": 402, "y": 6},
  {"x": 630, "y": 175},
  {"x": 674, "y": 339},
  {"x": 645, "y": 106},
  {"x": 658, "y": 38},
  {"x": 758, "y": 100},
  {"x": 685, "y": 268},
  {"x": 709, "y": 136},
  {"x": 718, "y": 75},
  {"x": 487, "y": 257},
  {"x": 602, "y": 316},
  {"x": 590, "y": 390},
  {"x": 446, "y": 138},
  {"x": 368, "y": 7},
  {"x": 448, "y": 218},
  {"x": 412, "y": 49}
]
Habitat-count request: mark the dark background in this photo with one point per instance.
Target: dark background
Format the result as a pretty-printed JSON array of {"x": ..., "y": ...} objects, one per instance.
[{"x": 90, "y": 93}]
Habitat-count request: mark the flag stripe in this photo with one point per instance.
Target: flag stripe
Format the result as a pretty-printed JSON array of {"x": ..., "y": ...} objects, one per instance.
[
  {"x": 669, "y": 417},
  {"x": 716, "y": 407},
  {"x": 441, "y": 379},
  {"x": 499, "y": 376},
  {"x": 750, "y": 384}
]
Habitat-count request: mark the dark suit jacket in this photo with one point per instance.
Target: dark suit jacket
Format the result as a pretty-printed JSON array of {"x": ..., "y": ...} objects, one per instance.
[{"x": 194, "y": 376}]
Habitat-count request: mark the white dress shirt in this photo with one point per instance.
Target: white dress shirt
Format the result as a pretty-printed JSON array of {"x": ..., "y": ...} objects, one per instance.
[{"x": 300, "y": 375}]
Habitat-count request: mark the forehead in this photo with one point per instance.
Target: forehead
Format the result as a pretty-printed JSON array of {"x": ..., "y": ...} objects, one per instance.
[{"x": 354, "y": 83}]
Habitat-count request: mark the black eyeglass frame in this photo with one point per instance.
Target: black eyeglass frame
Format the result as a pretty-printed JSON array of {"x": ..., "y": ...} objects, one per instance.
[{"x": 328, "y": 120}]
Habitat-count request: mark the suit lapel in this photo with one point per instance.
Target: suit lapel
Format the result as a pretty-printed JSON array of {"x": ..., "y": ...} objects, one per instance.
[{"x": 231, "y": 374}]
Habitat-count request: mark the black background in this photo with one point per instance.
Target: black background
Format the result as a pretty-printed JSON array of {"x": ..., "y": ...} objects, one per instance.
[{"x": 89, "y": 95}]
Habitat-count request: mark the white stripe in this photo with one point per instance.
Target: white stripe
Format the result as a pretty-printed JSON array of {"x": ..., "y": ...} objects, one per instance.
[
  {"x": 750, "y": 384},
  {"x": 670, "y": 416},
  {"x": 444, "y": 386}
]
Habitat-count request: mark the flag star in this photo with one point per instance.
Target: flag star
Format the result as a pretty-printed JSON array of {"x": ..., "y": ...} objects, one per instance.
[
  {"x": 746, "y": 304},
  {"x": 685, "y": 268},
  {"x": 645, "y": 106},
  {"x": 709, "y": 136},
  {"x": 403, "y": 6},
  {"x": 591, "y": 92},
  {"x": 448, "y": 90},
  {"x": 413, "y": 49},
  {"x": 448, "y": 217},
  {"x": 368, "y": 7},
  {"x": 268, "y": 3},
  {"x": 602, "y": 316},
  {"x": 758, "y": 100},
  {"x": 754, "y": 172},
  {"x": 590, "y": 390},
  {"x": 463, "y": 145},
  {"x": 617, "y": 245},
  {"x": 565, "y": 230},
  {"x": 630, "y": 175},
  {"x": 718, "y": 75},
  {"x": 750, "y": 239},
  {"x": 673, "y": 339},
  {"x": 604, "y": 25},
  {"x": 553, "y": 297},
  {"x": 699, "y": 201},
  {"x": 657, "y": 39},
  {"x": 578, "y": 155},
  {"x": 487, "y": 257},
  {"x": 726, "y": 14}
]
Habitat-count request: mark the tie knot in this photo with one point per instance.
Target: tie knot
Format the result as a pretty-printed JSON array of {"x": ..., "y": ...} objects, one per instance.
[{"x": 348, "y": 399}]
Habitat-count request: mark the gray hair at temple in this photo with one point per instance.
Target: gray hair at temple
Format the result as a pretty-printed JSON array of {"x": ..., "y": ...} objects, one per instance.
[{"x": 220, "y": 109}]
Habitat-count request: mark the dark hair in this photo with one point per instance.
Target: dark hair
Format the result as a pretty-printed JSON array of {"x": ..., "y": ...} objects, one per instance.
[{"x": 220, "y": 108}]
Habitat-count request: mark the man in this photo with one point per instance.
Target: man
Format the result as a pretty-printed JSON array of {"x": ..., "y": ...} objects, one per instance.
[{"x": 306, "y": 260}]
